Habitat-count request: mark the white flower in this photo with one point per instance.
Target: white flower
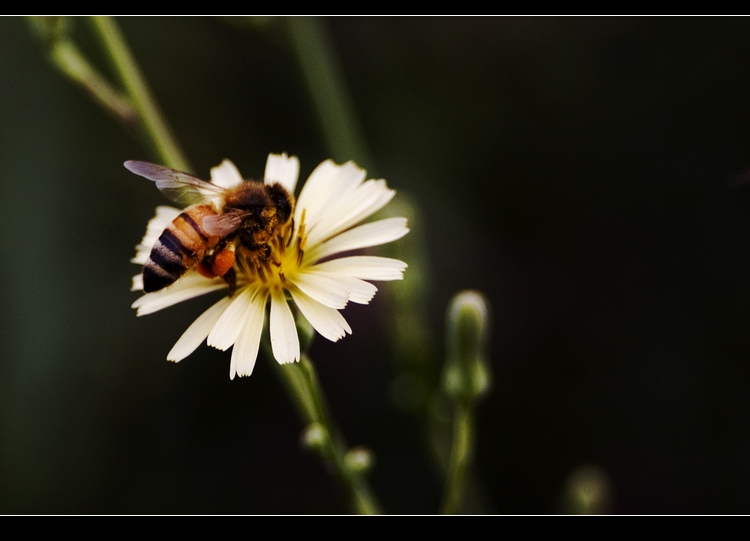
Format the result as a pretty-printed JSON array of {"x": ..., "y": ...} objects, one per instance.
[{"x": 307, "y": 268}]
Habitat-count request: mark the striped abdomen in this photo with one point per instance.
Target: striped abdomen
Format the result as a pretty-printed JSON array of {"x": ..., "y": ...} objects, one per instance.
[{"x": 181, "y": 246}]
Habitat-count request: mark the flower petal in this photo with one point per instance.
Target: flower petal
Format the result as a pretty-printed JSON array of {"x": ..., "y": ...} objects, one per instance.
[
  {"x": 321, "y": 288},
  {"x": 365, "y": 267},
  {"x": 360, "y": 291},
  {"x": 226, "y": 175},
  {"x": 245, "y": 350},
  {"x": 282, "y": 169},
  {"x": 350, "y": 209},
  {"x": 233, "y": 321},
  {"x": 328, "y": 322},
  {"x": 189, "y": 286},
  {"x": 284, "y": 339},
  {"x": 326, "y": 184},
  {"x": 137, "y": 284},
  {"x": 197, "y": 332},
  {"x": 363, "y": 236}
]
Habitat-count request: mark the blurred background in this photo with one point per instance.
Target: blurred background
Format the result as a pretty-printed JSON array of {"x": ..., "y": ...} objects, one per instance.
[{"x": 577, "y": 171}]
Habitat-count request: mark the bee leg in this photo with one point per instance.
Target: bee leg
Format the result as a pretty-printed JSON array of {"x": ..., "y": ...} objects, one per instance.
[
  {"x": 204, "y": 268},
  {"x": 230, "y": 277},
  {"x": 222, "y": 260}
]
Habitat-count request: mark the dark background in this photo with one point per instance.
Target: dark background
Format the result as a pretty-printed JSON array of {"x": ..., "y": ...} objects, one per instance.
[{"x": 575, "y": 170}]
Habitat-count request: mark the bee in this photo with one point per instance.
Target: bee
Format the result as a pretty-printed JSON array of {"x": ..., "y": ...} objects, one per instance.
[{"x": 219, "y": 221}]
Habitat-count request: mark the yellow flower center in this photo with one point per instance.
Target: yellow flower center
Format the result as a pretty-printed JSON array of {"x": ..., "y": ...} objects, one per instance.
[{"x": 277, "y": 259}]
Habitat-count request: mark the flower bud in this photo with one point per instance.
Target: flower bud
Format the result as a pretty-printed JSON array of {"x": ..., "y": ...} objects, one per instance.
[
  {"x": 588, "y": 491},
  {"x": 314, "y": 437},
  {"x": 359, "y": 459},
  {"x": 466, "y": 375}
]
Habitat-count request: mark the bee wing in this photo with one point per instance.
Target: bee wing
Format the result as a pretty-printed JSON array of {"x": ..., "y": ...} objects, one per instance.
[
  {"x": 180, "y": 187},
  {"x": 221, "y": 225}
]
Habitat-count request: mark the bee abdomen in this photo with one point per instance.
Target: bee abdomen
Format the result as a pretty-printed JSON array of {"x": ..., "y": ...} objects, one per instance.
[{"x": 180, "y": 247}]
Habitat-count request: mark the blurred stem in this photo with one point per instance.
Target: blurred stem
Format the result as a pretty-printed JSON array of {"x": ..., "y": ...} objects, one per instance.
[
  {"x": 155, "y": 128},
  {"x": 302, "y": 383},
  {"x": 466, "y": 379},
  {"x": 68, "y": 59},
  {"x": 331, "y": 99},
  {"x": 460, "y": 458}
]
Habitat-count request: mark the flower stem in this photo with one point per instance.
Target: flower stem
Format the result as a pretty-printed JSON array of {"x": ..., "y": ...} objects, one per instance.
[
  {"x": 302, "y": 383},
  {"x": 67, "y": 58},
  {"x": 155, "y": 128},
  {"x": 460, "y": 458},
  {"x": 327, "y": 86},
  {"x": 466, "y": 379}
]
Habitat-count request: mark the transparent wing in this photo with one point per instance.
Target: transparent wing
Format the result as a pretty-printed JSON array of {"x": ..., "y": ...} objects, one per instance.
[
  {"x": 178, "y": 186},
  {"x": 222, "y": 225}
]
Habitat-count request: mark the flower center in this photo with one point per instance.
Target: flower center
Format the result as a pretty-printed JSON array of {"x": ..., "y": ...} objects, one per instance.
[{"x": 271, "y": 262}]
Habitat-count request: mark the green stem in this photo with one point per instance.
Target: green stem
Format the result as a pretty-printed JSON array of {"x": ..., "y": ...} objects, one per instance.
[
  {"x": 302, "y": 383},
  {"x": 155, "y": 127},
  {"x": 325, "y": 81},
  {"x": 460, "y": 458},
  {"x": 66, "y": 57},
  {"x": 69, "y": 60}
]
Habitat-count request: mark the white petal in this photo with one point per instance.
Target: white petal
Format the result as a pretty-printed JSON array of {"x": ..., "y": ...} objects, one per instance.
[
  {"x": 317, "y": 190},
  {"x": 233, "y": 320},
  {"x": 363, "y": 236},
  {"x": 189, "y": 286},
  {"x": 284, "y": 339},
  {"x": 282, "y": 169},
  {"x": 226, "y": 175},
  {"x": 197, "y": 332},
  {"x": 365, "y": 267},
  {"x": 156, "y": 225},
  {"x": 327, "y": 321},
  {"x": 326, "y": 184},
  {"x": 360, "y": 291},
  {"x": 322, "y": 289},
  {"x": 351, "y": 209},
  {"x": 245, "y": 350},
  {"x": 137, "y": 283}
]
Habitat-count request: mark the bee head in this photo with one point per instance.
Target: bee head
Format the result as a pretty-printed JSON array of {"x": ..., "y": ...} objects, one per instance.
[
  {"x": 281, "y": 201},
  {"x": 249, "y": 197}
]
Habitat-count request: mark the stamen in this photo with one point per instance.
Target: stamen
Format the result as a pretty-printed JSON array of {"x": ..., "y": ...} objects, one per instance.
[
  {"x": 300, "y": 252},
  {"x": 290, "y": 232}
]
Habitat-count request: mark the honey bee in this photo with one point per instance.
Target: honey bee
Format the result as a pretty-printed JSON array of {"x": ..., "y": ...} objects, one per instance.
[{"x": 218, "y": 221}]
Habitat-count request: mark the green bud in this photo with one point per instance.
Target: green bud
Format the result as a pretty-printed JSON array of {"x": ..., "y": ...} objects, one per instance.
[
  {"x": 314, "y": 437},
  {"x": 587, "y": 491},
  {"x": 359, "y": 459},
  {"x": 467, "y": 375}
]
